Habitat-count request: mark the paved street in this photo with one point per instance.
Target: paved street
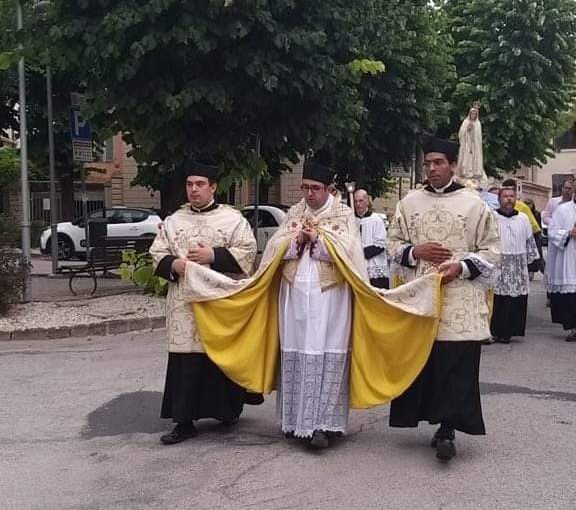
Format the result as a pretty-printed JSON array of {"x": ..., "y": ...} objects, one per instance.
[{"x": 79, "y": 430}]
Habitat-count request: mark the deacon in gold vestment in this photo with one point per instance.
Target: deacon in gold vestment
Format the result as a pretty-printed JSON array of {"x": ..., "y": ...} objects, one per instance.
[
  {"x": 219, "y": 239},
  {"x": 310, "y": 325},
  {"x": 447, "y": 227}
]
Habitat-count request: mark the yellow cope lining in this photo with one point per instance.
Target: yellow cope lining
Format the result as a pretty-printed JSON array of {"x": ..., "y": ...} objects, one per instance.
[{"x": 389, "y": 346}]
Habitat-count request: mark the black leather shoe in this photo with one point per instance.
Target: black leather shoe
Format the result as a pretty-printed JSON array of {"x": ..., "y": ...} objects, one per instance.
[
  {"x": 445, "y": 450},
  {"x": 179, "y": 434},
  {"x": 318, "y": 440},
  {"x": 253, "y": 399},
  {"x": 229, "y": 423},
  {"x": 442, "y": 434}
]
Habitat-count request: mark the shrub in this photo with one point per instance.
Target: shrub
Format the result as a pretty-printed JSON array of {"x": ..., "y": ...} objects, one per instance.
[
  {"x": 11, "y": 278},
  {"x": 11, "y": 269},
  {"x": 138, "y": 268},
  {"x": 9, "y": 231}
]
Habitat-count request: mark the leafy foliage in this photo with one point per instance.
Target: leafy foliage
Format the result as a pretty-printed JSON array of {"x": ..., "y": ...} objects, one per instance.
[
  {"x": 518, "y": 58},
  {"x": 406, "y": 100},
  {"x": 11, "y": 269},
  {"x": 37, "y": 57},
  {"x": 9, "y": 166},
  {"x": 181, "y": 78},
  {"x": 137, "y": 268}
]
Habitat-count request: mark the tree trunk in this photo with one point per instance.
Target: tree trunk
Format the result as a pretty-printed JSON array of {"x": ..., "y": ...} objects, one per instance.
[
  {"x": 172, "y": 192},
  {"x": 419, "y": 166},
  {"x": 67, "y": 191}
]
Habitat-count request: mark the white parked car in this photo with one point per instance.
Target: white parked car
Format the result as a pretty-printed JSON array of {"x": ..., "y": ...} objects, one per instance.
[
  {"x": 120, "y": 222},
  {"x": 269, "y": 219}
]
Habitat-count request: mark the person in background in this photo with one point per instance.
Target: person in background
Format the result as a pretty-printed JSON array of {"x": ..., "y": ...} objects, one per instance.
[
  {"x": 561, "y": 282},
  {"x": 521, "y": 207},
  {"x": 511, "y": 290},
  {"x": 373, "y": 233},
  {"x": 566, "y": 194},
  {"x": 538, "y": 264}
]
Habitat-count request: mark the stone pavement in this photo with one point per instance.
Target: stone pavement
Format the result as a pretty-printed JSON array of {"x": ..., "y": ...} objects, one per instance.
[
  {"x": 55, "y": 288},
  {"x": 79, "y": 430}
]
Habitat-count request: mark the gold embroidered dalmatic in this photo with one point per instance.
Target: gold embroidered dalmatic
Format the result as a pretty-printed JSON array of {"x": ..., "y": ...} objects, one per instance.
[
  {"x": 222, "y": 227},
  {"x": 460, "y": 221},
  {"x": 392, "y": 331}
]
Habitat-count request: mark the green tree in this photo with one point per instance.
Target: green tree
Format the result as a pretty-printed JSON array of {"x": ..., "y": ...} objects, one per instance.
[
  {"x": 9, "y": 166},
  {"x": 518, "y": 58},
  {"x": 406, "y": 100},
  {"x": 186, "y": 78},
  {"x": 36, "y": 59}
]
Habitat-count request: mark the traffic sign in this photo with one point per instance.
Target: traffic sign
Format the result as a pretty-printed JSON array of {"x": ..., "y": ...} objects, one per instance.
[
  {"x": 80, "y": 131},
  {"x": 79, "y": 127}
]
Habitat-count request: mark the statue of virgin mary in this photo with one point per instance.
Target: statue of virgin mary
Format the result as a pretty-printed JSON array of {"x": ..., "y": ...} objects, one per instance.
[{"x": 470, "y": 159}]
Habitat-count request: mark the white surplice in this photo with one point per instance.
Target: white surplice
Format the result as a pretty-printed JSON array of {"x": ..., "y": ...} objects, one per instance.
[
  {"x": 518, "y": 249},
  {"x": 373, "y": 232},
  {"x": 315, "y": 328},
  {"x": 561, "y": 267}
]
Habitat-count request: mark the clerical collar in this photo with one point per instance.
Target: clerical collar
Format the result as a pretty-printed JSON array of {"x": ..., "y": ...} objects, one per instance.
[
  {"x": 514, "y": 212},
  {"x": 208, "y": 207},
  {"x": 366, "y": 215},
  {"x": 449, "y": 188}
]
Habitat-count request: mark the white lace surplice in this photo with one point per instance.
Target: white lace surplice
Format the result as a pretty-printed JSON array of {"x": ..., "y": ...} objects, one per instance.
[
  {"x": 518, "y": 250},
  {"x": 314, "y": 336}
]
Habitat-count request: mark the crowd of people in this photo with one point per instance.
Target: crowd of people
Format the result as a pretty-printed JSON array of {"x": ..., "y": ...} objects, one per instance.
[{"x": 342, "y": 313}]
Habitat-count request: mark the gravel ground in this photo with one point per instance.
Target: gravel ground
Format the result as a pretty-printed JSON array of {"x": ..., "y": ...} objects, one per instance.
[{"x": 85, "y": 311}]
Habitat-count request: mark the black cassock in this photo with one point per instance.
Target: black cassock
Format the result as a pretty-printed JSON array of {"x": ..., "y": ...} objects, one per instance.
[
  {"x": 509, "y": 316},
  {"x": 195, "y": 387}
]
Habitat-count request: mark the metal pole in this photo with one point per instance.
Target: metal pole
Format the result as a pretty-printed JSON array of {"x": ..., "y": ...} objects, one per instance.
[
  {"x": 257, "y": 190},
  {"x": 26, "y": 258},
  {"x": 84, "y": 198},
  {"x": 52, "y": 166}
]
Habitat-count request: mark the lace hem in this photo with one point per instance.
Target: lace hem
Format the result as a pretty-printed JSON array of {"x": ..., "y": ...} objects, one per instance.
[{"x": 562, "y": 289}]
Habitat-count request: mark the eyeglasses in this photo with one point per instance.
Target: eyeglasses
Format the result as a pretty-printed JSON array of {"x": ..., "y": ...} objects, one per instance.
[{"x": 314, "y": 188}]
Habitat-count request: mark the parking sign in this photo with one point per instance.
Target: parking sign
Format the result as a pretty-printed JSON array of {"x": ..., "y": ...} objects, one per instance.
[{"x": 80, "y": 131}]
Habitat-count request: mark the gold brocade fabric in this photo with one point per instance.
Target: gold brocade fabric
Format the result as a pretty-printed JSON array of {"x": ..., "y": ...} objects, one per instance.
[
  {"x": 329, "y": 276},
  {"x": 463, "y": 223},
  {"x": 223, "y": 227},
  {"x": 392, "y": 330}
]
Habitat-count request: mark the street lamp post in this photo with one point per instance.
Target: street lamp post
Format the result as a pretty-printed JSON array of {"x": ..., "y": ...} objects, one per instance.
[{"x": 25, "y": 189}]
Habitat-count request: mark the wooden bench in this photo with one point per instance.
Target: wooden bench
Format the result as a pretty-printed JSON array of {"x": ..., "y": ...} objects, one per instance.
[{"x": 105, "y": 257}]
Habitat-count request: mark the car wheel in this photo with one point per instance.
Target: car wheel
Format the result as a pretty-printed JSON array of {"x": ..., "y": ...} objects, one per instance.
[{"x": 65, "y": 247}]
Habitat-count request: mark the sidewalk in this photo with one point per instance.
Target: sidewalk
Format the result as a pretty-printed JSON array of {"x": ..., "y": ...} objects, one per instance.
[{"x": 54, "y": 312}]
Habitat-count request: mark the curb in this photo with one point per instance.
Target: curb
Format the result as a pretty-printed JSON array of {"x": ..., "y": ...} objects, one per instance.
[{"x": 113, "y": 327}]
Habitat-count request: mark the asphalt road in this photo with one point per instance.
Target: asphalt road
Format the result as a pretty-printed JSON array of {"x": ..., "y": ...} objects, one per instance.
[{"x": 79, "y": 430}]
